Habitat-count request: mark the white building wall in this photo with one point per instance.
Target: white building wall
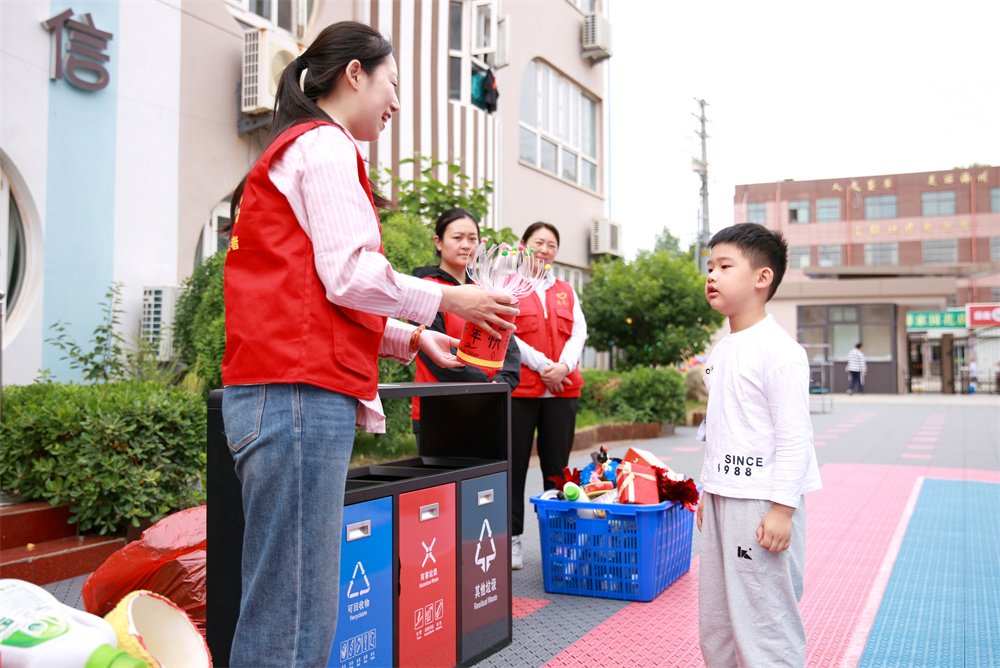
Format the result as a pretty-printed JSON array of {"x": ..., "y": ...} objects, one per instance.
[{"x": 146, "y": 175}]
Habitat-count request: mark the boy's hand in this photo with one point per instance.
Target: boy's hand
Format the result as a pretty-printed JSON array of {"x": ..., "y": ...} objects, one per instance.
[{"x": 775, "y": 531}]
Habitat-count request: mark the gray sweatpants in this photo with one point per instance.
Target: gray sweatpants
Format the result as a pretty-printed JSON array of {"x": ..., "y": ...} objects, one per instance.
[{"x": 748, "y": 610}]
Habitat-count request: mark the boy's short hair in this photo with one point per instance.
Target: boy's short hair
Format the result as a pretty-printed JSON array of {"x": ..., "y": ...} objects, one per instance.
[{"x": 760, "y": 246}]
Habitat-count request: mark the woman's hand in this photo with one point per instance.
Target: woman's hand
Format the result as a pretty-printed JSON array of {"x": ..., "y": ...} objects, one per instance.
[
  {"x": 478, "y": 306},
  {"x": 438, "y": 347},
  {"x": 554, "y": 377}
]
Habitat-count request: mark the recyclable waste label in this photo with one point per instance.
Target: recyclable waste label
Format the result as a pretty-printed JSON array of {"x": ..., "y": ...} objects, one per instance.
[
  {"x": 358, "y": 587},
  {"x": 485, "y": 560},
  {"x": 358, "y": 650}
]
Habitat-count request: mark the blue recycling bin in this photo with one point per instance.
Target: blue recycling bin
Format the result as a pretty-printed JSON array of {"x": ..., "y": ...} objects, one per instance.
[{"x": 364, "y": 614}]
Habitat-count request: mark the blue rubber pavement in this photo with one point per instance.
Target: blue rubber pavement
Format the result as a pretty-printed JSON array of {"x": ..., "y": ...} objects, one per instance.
[{"x": 942, "y": 604}]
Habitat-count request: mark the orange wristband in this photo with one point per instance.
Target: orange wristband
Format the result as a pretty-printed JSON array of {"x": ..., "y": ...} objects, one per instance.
[{"x": 414, "y": 342}]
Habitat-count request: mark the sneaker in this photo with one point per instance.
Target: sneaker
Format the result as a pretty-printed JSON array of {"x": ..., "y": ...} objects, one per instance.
[
  {"x": 849, "y": 393},
  {"x": 516, "y": 562}
]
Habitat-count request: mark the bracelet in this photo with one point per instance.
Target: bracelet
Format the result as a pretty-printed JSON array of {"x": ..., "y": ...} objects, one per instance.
[{"x": 414, "y": 342}]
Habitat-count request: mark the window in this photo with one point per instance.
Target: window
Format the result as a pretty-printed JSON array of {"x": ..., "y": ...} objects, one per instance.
[
  {"x": 829, "y": 256},
  {"x": 472, "y": 40},
  {"x": 757, "y": 212},
  {"x": 994, "y": 249},
  {"x": 882, "y": 254},
  {"x": 210, "y": 243},
  {"x": 798, "y": 211},
  {"x": 880, "y": 206},
  {"x": 843, "y": 326},
  {"x": 994, "y": 199},
  {"x": 798, "y": 257},
  {"x": 290, "y": 15},
  {"x": 828, "y": 210},
  {"x": 940, "y": 251},
  {"x": 586, "y": 6},
  {"x": 938, "y": 203},
  {"x": 13, "y": 249},
  {"x": 558, "y": 131}
]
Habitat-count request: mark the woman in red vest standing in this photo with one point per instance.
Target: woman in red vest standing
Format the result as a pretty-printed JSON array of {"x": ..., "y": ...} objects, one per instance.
[
  {"x": 551, "y": 332},
  {"x": 456, "y": 235},
  {"x": 308, "y": 292}
]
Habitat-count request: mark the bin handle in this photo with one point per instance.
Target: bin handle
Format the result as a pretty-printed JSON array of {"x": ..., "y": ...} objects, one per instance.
[
  {"x": 429, "y": 512},
  {"x": 359, "y": 530},
  {"x": 485, "y": 497}
]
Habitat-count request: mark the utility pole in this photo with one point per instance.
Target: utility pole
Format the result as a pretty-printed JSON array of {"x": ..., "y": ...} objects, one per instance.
[{"x": 704, "y": 236}]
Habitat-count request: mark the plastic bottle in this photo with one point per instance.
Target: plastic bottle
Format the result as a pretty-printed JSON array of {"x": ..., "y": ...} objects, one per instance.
[
  {"x": 574, "y": 492},
  {"x": 37, "y": 631}
]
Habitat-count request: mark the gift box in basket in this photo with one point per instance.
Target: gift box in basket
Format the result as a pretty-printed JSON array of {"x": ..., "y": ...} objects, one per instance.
[{"x": 633, "y": 554}]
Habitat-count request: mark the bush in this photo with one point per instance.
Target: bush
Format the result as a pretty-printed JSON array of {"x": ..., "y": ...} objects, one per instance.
[
  {"x": 650, "y": 395},
  {"x": 597, "y": 394},
  {"x": 200, "y": 322},
  {"x": 117, "y": 453}
]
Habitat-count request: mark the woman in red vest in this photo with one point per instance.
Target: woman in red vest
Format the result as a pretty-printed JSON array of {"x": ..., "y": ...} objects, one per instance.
[
  {"x": 456, "y": 235},
  {"x": 551, "y": 333},
  {"x": 308, "y": 292}
]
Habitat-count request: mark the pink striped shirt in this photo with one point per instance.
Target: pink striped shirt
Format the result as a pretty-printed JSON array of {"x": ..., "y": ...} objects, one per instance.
[{"x": 319, "y": 176}]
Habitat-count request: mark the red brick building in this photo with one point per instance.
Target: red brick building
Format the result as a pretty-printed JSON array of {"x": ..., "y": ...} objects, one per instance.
[{"x": 866, "y": 250}]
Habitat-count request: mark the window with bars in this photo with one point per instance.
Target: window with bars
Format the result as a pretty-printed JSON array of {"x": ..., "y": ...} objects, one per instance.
[
  {"x": 829, "y": 255},
  {"x": 558, "y": 129},
  {"x": 828, "y": 210},
  {"x": 938, "y": 203},
  {"x": 882, "y": 254},
  {"x": 798, "y": 211},
  {"x": 798, "y": 257},
  {"x": 289, "y": 15},
  {"x": 939, "y": 251},
  {"x": 757, "y": 212},
  {"x": 880, "y": 206}
]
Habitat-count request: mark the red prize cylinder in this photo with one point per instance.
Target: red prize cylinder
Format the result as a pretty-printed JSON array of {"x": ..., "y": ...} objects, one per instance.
[{"x": 482, "y": 350}]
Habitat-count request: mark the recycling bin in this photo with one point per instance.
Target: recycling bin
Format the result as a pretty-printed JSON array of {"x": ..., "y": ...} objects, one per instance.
[
  {"x": 485, "y": 622},
  {"x": 427, "y": 586},
  {"x": 364, "y": 614}
]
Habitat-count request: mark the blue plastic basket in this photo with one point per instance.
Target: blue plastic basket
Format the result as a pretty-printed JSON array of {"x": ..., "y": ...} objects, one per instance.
[{"x": 633, "y": 554}]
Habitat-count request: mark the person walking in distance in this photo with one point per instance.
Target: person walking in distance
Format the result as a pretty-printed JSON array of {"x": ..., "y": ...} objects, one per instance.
[
  {"x": 759, "y": 462},
  {"x": 857, "y": 369}
]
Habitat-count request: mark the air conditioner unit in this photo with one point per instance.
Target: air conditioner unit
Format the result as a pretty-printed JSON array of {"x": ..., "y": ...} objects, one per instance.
[
  {"x": 596, "y": 37},
  {"x": 265, "y": 56},
  {"x": 607, "y": 238},
  {"x": 158, "y": 318}
]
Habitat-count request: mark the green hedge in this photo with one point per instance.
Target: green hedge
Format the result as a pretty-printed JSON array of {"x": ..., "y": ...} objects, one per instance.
[
  {"x": 643, "y": 394},
  {"x": 117, "y": 453}
]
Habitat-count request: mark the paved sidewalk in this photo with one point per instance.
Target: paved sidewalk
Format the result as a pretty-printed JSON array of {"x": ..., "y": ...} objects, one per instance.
[{"x": 874, "y": 452}]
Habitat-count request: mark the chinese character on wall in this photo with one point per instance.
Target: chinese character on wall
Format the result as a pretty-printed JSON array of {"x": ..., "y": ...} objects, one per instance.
[{"x": 84, "y": 55}]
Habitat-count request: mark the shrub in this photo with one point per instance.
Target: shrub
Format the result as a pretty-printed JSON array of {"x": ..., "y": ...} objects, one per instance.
[
  {"x": 597, "y": 394},
  {"x": 117, "y": 453},
  {"x": 200, "y": 323},
  {"x": 650, "y": 395}
]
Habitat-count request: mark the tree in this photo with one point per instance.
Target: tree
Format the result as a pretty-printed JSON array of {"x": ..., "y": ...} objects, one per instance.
[
  {"x": 652, "y": 309},
  {"x": 668, "y": 243}
]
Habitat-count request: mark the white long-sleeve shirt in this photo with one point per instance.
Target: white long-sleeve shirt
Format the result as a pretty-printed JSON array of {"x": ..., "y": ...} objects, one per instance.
[
  {"x": 572, "y": 351},
  {"x": 318, "y": 174},
  {"x": 758, "y": 430}
]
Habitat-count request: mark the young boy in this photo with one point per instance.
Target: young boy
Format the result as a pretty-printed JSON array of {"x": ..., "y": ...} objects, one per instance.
[{"x": 759, "y": 461}]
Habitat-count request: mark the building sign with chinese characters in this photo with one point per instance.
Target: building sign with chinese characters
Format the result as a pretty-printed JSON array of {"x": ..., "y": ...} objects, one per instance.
[
  {"x": 919, "y": 320},
  {"x": 82, "y": 61},
  {"x": 983, "y": 315}
]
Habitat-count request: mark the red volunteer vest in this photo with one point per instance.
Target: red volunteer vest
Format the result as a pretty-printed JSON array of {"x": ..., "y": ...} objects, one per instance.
[
  {"x": 280, "y": 327},
  {"x": 546, "y": 335}
]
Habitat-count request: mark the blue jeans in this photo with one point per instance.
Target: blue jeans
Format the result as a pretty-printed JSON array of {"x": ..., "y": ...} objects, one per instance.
[
  {"x": 855, "y": 381},
  {"x": 292, "y": 448}
]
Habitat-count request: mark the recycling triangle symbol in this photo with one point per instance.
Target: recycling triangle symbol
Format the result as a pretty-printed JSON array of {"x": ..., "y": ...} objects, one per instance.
[
  {"x": 485, "y": 532},
  {"x": 350, "y": 588}
]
